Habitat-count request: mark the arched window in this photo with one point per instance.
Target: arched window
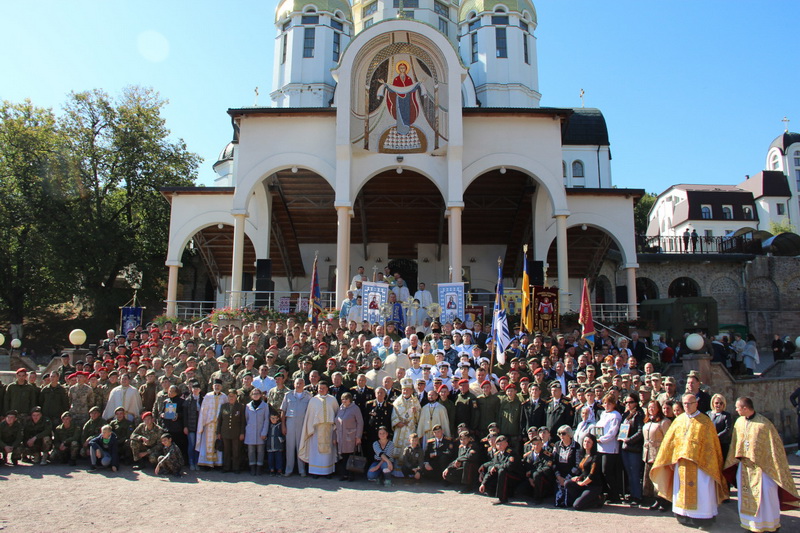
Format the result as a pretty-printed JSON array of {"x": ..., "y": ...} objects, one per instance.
[
  {"x": 748, "y": 212},
  {"x": 577, "y": 169},
  {"x": 564, "y": 169},
  {"x": 776, "y": 162},
  {"x": 705, "y": 212},
  {"x": 797, "y": 158},
  {"x": 683, "y": 288},
  {"x": 727, "y": 212}
]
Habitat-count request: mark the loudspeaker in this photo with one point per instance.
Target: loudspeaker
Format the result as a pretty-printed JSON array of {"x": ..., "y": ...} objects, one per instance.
[
  {"x": 536, "y": 273},
  {"x": 264, "y": 285},
  {"x": 263, "y": 269}
]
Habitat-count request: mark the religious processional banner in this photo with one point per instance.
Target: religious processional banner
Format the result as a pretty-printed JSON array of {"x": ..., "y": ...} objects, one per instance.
[
  {"x": 131, "y": 318},
  {"x": 373, "y": 297},
  {"x": 475, "y": 313},
  {"x": 451, "y": 298},
  {"x": 545, "y": 309}
]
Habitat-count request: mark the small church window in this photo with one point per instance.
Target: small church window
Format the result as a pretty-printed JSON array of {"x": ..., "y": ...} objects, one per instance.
[
  {"x": 498, "y": 20},
  {"x": 525, "y": 54},
  {"x": 407, "y": 4},
  {"x": 748, "y": 212},
  {"x": 705, "y": 212},
  {"x": 502, "y": 42},
  {"x": 369, "y": 10},
  {"x": 474, "y": 42},
  {"x": 309, "y": 19},
  {"x": 564, "y": 169},
  {"x": 444, "y": 26},
  {"x": 368, "y": 23},
  {"x": 441, "y": 9},
  {"x": 337, "y": 45},
  {"x": 308, "y": 42},
  {"x": 577, "y": 169},
  {"x": 776, "y": 164},
  {"x": 797, "y": 158}
]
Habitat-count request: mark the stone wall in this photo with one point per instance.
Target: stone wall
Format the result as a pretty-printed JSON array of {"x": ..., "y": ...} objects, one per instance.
[
  {"x": 770, "y": 392},
  {"x": 762, "y": 293}
]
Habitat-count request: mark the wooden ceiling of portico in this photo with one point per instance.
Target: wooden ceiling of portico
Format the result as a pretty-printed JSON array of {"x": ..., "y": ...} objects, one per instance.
[{"x": 403, "y": 210}]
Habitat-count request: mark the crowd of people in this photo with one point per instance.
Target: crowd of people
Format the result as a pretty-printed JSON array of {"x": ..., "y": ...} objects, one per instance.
[{"x": 552, "y": 419}]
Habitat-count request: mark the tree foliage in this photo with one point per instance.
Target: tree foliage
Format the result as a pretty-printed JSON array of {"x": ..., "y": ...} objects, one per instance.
[
  {"x": 92, "y": 178},
  {"x": 784, "y": 226},
  {"x": 31, "y": 168},
  {"x": 640, "y": 212}
]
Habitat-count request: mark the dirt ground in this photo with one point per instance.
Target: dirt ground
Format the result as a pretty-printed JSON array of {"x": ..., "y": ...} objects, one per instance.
[{"x": 62, "y": 498}]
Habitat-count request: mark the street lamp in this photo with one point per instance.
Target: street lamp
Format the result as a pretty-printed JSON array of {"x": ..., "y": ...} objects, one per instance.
[
  {"x": 695, "y": 342},
  {"x": 77, "y": 337}
]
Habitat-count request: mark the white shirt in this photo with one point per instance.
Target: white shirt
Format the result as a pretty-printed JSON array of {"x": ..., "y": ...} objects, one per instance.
[
  {"x": 609, "y": 422},
  {"x": 264, "y": 384},
  {"x": 401, "y": 293}
]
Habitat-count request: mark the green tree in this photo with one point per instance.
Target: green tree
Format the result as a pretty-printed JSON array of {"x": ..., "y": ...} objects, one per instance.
[
  {"x": 116, "y": 221},
  {"x": 640, "y": 212},
  {"x": 784, "y": 226},
  {"x": 31, "y": 169}
]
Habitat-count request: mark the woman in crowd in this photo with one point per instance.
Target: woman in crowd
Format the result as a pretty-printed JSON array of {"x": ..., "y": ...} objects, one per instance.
[
  {"x": 171, "y": 418},
  {"x": 255, "y": 432},
  {"x": 586, "y": 425},
  {"x": 565, "y": 462},
  {"x": 723, "y": 421},
  {"x": 586, "y": 490},
  {"x": 349, "y": 428},
  {"x": 383, "y": 465},
  {"x": 653, "y": 433},
  {"x": 750, "y": 358},
  {"x": 632, "y": 441},
  {"x": 608, "y": 448}
]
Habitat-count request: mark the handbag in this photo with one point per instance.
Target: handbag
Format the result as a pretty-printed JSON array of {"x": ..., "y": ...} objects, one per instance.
[
  {"x": 356, "y": 463},
  {"x": 218, "y": 445}
]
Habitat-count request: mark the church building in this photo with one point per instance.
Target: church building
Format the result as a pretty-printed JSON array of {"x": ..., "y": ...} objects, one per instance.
[{"x": 408, "y": 134}]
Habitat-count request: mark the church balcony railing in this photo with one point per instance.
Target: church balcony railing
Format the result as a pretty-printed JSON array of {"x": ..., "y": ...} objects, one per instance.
[
  {"x": 282, "y": 301},
  {"x": 742, "y": 244}
]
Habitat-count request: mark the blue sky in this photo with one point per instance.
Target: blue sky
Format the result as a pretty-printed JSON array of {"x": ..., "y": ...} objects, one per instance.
[{"x": 693, "y": 91}]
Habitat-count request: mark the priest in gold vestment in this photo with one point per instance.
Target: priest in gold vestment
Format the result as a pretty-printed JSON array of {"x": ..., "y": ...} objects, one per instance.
[
  {"x": 757, "y": 462},
  {"x": 688, "y": 468}
]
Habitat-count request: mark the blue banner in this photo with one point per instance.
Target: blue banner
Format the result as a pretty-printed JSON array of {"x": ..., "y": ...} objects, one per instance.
[
  {"x": 451, "y": 298},
  {"x": 131, "y": 319},
  {"x": 374, "y": 296}
]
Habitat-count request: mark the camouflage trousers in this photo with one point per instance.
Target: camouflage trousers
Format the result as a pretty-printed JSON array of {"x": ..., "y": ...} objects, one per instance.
[
  {"x": 69, "y": 454},
  {"x": 153, "y": 452}
]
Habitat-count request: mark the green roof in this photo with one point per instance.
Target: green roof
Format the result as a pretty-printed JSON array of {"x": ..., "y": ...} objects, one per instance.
[
  {"x": 329, "y": 6},
  {"x": 482, "y": 6}
]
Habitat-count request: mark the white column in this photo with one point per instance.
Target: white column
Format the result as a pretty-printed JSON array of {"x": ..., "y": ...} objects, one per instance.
[
  {"x": 630, "y": 273},
  {"x": 342, "y": 252},
  {"x": 563, "y": 265},
  {"x": 239, "y": 219},
  {"x": 172, "y": 288},
  {"x": 454, "y": 244}
]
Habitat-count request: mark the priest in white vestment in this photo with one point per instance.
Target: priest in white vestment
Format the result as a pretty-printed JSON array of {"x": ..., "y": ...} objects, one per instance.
[
  {"x": 318, "y": 443},
  {"x": 207, "y": 427}
]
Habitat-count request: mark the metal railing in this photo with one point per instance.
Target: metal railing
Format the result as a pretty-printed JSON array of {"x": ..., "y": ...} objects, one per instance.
[
  {"x": 294, "y": 302},
  {"x": 742, "y": 244},
  {"x": 611, "y": 313}
]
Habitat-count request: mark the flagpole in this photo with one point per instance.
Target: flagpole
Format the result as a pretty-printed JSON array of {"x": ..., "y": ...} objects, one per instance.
[{"x": 494, "y": 314}]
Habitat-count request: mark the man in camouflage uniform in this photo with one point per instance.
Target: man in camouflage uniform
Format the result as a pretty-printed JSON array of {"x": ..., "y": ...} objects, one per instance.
[
  {"x": 66, "y": 441},
  {"x": 122, "y": 428},
  {"x": 37, "y": 437},
  {"x": 146, "y": 440},
  {"x": 91, "y": 429},
  {"x": 225, "y": 375},
  {"x": 11, "y": 438},
  {"x": 207, "y": 366},
  {"x": 171, "y": 460},
  {"x": 66, "y": 368},
  {"x": 247, "y": 386},
  {"x": 276, "y": 394},
  {"x": 81, "y": 399}
]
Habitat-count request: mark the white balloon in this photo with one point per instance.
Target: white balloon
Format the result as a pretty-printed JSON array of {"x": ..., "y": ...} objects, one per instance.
[{"x": 695, "y": 342}]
